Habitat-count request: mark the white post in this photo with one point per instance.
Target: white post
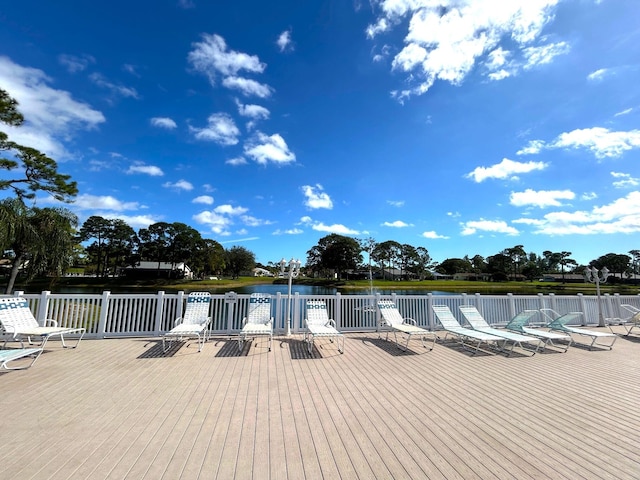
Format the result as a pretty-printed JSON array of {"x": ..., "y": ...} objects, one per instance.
[
  {"x": 292, "y": 272},
  {"x": 592, "y": 275}
]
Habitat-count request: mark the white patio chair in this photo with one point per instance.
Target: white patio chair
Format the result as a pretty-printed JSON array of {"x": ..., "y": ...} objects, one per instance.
[
  {"x": 11, "y": 355},
  {"x": 193, "y": 323},
  {"x": 520, "y": 323},
  {"x": 391, "y": 317},
  {"x": 19, "y": 323},
  {"x": 319, "y": 324},
  {"x": 452, "y": 327},
  {"x": 562, "y": 323},
  {"x": 477, "y": 322},
  {"x": 258, "y": 321},
  {"x": 630, "y": 320}
]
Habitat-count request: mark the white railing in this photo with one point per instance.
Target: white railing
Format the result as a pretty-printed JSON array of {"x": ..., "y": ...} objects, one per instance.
[{"x": 113, "y": 315}]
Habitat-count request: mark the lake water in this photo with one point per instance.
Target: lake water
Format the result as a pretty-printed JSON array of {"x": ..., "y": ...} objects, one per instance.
[{"x": 264, "y": 288}]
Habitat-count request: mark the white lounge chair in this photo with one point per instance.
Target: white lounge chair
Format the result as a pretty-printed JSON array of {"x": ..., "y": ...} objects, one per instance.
[
  {"x": 629, "y": 321},
  {"x": 319, "y": 324},
  {"x": 19, "y": 323},
  {"x": 193, "y": 323},
  {"x": 451, "y": 326},
  {"x": 391, "y": 317},
  {"x": 258, "y": 321},
  {"x": 477, "y": 321},
  {"x": 520, "y": 323},
  {"x": 11, "y": 355},
  {"x": 561, "y": 323}
]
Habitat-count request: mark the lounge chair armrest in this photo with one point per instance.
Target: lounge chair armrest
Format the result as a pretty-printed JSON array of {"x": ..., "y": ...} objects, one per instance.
[
  {"x": 244, "y": 321},
  {"x": 410, "y": 321},
  {"x": 177, "y": 321},
  {"x": 331, "y": 323},
  {"x": 50, "y": 321}
]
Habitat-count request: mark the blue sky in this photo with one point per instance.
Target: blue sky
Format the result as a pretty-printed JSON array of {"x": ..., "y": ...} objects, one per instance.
[{"x": 463, "y": 126}]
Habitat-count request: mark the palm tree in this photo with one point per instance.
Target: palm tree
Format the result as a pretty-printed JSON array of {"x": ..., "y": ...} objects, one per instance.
[{"x": 42, "y": 239}]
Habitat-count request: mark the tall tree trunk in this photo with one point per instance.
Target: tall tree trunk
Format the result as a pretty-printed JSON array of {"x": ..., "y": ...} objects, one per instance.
[{"x": 15, "y": 268}]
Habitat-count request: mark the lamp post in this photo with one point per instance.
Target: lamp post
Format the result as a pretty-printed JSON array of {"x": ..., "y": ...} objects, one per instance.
[
  {"x": 293, "y": 271},
  {"x": 592, "y": 275}
]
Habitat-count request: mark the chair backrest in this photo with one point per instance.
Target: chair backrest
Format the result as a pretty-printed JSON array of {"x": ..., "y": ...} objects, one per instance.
[
  {"x": 521, "y": 320},
  {"x": 390, "y": 313},
  {"x": 565, "y": 319},
  {"x": 472, "y": 315},
  {"x": 15, "y": 315},
  {"x": 317, "y": 313},
  {"x": 446, "y": 318},
  {"x": 259, "y": 308},
  {"x": 197, "y": 309}
]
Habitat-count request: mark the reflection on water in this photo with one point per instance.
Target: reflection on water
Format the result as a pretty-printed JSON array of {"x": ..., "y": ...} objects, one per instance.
[{"x": 263, "y": 288}]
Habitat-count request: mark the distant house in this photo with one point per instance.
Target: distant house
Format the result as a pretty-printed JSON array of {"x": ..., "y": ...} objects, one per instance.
[
  {"x": 158, "y": 270},
  {"x": 261, "y": 272}
]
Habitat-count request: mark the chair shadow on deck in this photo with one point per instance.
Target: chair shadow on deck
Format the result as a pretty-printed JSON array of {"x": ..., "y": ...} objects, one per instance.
[
  {"x": 230, "y": 347},
  {"x": 298, "y": 349},
  {"x": 156, "y": 351},
  {"x": 392, "y": 347}
]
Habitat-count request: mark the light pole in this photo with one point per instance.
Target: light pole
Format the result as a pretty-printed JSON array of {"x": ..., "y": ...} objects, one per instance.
[
  {"x": 292, "y": 272},
  {"x": 592, "y": 275}
]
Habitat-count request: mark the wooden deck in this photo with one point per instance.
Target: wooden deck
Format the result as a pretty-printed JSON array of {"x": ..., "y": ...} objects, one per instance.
[{"x": 117, "y": 409}]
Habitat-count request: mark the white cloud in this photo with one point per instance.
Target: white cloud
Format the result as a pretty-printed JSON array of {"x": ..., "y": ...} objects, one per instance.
[
  {"x": 433, "y": 235},
  {"x": 204, "y": 199},
  {"x": 263, "y": 149},
  {"x": 625, "y": 180},
  {"x": 119, "y": 90},
  {"x": 134, "y": 221},
  {"x": 151, "y": 170},
  {"x": 445, "y": 39},
  {"x": 396, "y": 203},
  {"x": 397, "y": 224},
  {"x": 540, "y": 198},
  {"x": 321, "y": 227},
  {"x": 620, "y": 216},
  {"x": 335, "y": 228},
  {"x": 211, "y": 57},
  {"x": 598, "y": 74},
  {"x": 179, "y": 185},
  {"x": 253, "y": 221},
  {"x": 230, "y": 210},
  {"x": 255, "y": 112},
  {"x": 218, "y": 223},
  {"x": 104, "y": 202},
  {"x": 291, "y": 231},
  {"x": 505, "y": 169},
  {"x": 247, "y": 86},
  {"x": 602, "y": 142},
  {"x": 52, "y": 117},
  {"x": 491, "y": 226},
  {"x": 316, "y": 198},
  {"x": 532, "y": 148},
  {"x": 236, "y": 161},
  {"x": 221, "y": 129},
  {"x": 163, "y": 122},
  {"x": 543, "y": 54},
  {"x": 284, "y": 41},
  {"x": 74, "y": 63},
  {"x": 626, "y": 111}
]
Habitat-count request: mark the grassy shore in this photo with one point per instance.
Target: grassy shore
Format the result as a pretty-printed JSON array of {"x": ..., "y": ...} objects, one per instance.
[{"x": 453, "y": 286}]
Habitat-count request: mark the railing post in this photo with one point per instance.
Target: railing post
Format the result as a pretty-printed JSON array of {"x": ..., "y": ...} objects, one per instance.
[
  {"x": 104, "y": 311},
  {"x": 583, "y": 308},
  {"x": 160, "y": 311},
  {"x": 296, "y": 312},
  {"x": 430, "y": 320},
  {"x": 279, "y": 312},
  {"x": 43, "y": 306},
  {"x": 512, "y": 305},
  {"x": 337, "y": 311},
  {"x": 552, "y": 301},
  {"x": 478, "y": 303},
  {"x": 376, "y": 311}
]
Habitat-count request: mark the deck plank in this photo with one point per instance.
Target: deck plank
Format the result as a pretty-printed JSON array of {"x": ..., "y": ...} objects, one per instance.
[{"x": 120, "y": 408}]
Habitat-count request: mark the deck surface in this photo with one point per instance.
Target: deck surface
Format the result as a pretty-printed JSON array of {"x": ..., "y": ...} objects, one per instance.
[{"x": 120, "y": 409}]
